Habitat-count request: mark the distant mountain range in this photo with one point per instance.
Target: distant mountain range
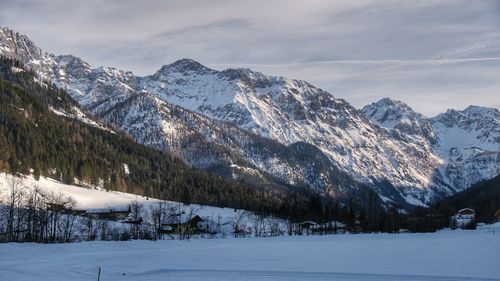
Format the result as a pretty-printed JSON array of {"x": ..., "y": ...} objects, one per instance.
[{"x": 263, "y": 129}]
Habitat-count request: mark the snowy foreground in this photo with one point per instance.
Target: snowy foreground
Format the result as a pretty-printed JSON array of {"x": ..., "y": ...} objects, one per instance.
[{"x": 446, "y": 255}]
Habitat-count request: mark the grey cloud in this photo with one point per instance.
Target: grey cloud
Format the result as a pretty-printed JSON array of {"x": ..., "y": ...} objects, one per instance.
[{"x": 359, "y": 50}]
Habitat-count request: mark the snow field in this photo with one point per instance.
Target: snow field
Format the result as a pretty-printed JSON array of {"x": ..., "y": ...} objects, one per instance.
[{"x": 445, "y": 255}]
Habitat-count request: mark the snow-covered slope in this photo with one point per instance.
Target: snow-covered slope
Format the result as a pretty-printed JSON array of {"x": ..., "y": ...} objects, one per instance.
[
  {"x": 86, "y": 196},
  {"x": 400, "y": 153}
]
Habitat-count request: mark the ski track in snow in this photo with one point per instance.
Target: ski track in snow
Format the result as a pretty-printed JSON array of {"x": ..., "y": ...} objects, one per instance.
[{"x": 194, "y": 274}]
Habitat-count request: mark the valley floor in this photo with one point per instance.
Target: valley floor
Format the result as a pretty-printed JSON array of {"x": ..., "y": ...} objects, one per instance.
[{"x": 445, "y": 255}]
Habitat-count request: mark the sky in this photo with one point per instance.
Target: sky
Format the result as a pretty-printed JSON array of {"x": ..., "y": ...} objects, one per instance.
[{"x": 433, "y": 55}]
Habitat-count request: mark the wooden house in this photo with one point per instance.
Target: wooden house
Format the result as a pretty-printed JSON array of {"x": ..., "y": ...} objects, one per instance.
[
  {"x": 308, "y": 226},
  {"x": 53, "y": 207},
  {"x": 114, "y": 213},
  {"x": 466, "y": 212},
  {"x": 464, "y": 218},
  {"x": 183, "y": 224},
  {"x": 61, "y": 208}
]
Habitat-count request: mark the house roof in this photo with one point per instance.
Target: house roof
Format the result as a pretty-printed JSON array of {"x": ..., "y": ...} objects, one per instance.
[
  {"x": 182, "y": 218},
  {"x": 108, "y": 210},
  {"x": 466, "y": 209},
  {"x": 308, "y": 223},
  {"x": 196, "y": 218}
]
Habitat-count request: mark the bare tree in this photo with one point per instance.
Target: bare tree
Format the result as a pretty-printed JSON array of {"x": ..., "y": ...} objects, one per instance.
[
  {"x": 90, "y": 229},
  {"x": 34, "y": 209},
  {"x": 15, "y": 192},
  {"x": 35, "y": 215},
  {"x": 136, "y": 210},
  {"x": 67, "y": 227},
  {"x": 173, "y": 217},
  {"x": 239, "y": 223},
  {"x": 193, "y": 209},
  {"x": 274, "y": 227},
  {"x": 258, "y": 225},
  {"x": 157, "y": 217},
  {"x": 102, "y": 225},
  {"x": 56, "y": 204}
]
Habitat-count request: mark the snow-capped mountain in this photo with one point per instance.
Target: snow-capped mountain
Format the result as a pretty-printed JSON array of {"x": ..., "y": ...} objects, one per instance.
[
  {"x": 247, "y": 121},
  {"x": 474, "y": 126},
  {"x": 223, "y": 148},
  {"x": 467, "y": 142},
  {"x": 111, "y": 95},
  {"x": 292, "y": 111}
]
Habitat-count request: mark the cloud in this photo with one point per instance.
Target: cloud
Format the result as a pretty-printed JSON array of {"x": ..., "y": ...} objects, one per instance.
[{"x": 431, "y": 54}]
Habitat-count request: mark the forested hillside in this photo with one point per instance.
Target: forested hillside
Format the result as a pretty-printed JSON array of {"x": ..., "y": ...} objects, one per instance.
[
  {"x": 483, "y": 197},
  {"x": 32, "y": 136}
]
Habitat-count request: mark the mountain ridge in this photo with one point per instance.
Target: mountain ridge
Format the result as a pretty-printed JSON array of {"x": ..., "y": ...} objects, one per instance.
[
  {"x": 38, "y": 138},
  {"x": 413, "y": 154}
]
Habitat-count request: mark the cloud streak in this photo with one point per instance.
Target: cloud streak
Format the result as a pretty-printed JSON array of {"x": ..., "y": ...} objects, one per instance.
[{"x": 431, "y": 54}]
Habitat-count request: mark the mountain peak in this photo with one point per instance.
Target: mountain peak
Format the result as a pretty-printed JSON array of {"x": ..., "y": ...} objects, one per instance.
[
  {"x": 482, "y": 110},
  {"x": 470, "y": 112},
  {"x": 471, "y": 118},
  {"x": 393, "y": 103},
  {"x": 388, "y": 113},
  {"x": 5, "y": 31},
  {"x": 473, "y": 127},
  {"x": 245, "y": 74},
  {"x": 184, "y": 65},
  {"x": 19, "y": 46},
  {"x": 393, "y": 114}
]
